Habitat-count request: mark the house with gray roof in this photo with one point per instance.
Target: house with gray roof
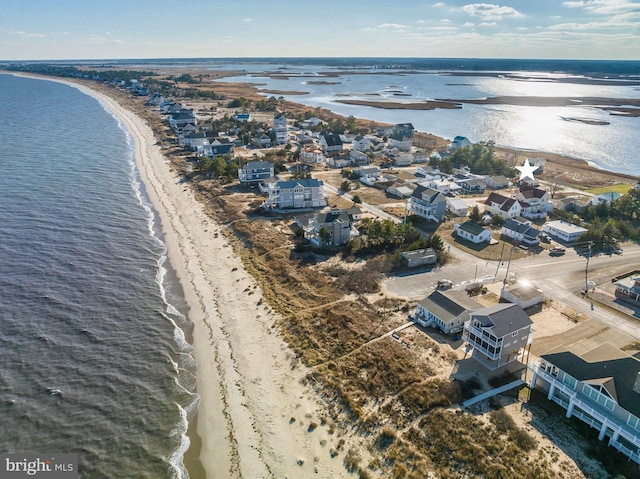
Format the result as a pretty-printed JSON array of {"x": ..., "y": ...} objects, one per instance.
[
  {"x": 520, "y": 229},
  {"x": 600, "y": 386},
  {"x": 446, "y": 310},
  {"x": 427, "y": 203},
  {"x": 338, "y": 224},
  {"x": 628, "y": 290},
  {"x": 472, "y": 232},
  {"x": 307, "y": 193},
  {"x": 419, "y": 257},
  {"x": 498, "y": 334},
  {"x": 255, "y": 172},
  {"x": 331, "y": 142}
]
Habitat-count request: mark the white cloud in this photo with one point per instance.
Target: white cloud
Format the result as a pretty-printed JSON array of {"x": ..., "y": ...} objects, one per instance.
[
  {"x": 392, "y": 26},
  {"x": 439, "y": 4},
  {"x": 24, "y": 34},
  {"x": 468, "y": 24},
  {"x": 490, "y": 11},
  {"x": 445, "y": 21},
  {"x": 605, "y": 7},
  {"x": 488, "y": 24},
  {"x": 247, "y": 19}
]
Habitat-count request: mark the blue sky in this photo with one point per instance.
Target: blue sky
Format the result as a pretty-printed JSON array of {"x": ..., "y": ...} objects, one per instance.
[{"x": 79, "y": 29}]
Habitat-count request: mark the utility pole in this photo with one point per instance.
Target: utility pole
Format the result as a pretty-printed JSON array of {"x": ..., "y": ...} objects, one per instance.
[
  {"x": 504, "y": 282},
  {"x": 586, "y": 271},
  {"x": 499, "y": 261}
]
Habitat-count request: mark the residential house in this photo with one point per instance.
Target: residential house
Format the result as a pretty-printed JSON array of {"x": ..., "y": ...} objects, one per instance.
[
  {"x": 444, "y": 186},
  {"x": 216, "y": 149},
  {"x": 472, "y": 185},
  {"x": 575, "y": 204},
  {"x": 446, "y": 310},
  {"x": 358, "y": 158},
  {"x": 628, "y": 290},
  {"x": 564, "y": 231},
  {"x": 178, "y": 120},
  {"x": 312, "y": 154},
  {"x": 369, "y": 172},
  {"x": 520, "y": 229},
  {"x": 496, "y": 182},
  {"x": 255, "y": 172},
  {"x": 457, "y": 207},
  {"x": 193, "y": 141},
  {"x": 307, "y": 193},
  {"x": 540, "y": 163},
  {"x": 420, "y": 156},
  {"x": 402, "y": 159},
  {"x": 337, "y": 223},
  {"x": 243, "y": 117},
  {"x": 330, "y": 142},
  {"x": 401, "y": 136},
  {"x": 535, "y": 202},
  {"x": 311, "y": 122},
  {"x": 472, "y": 232},
  {"x": 460, "y": 142},
  {"x": 280, "y": 130},
  {"x": 599, "y": 386},
  {"x": 261, "y": 141},
  {"x": 427, "y": 203},
  {"x": 419, "y": 257},
  {"x": 606, "y": 198},
  {"x": 498, "y": 334},
  {"x": 500, "y": 205},
  {"x": 339, "y": 161},
  {"x": 361, "y": 143}
]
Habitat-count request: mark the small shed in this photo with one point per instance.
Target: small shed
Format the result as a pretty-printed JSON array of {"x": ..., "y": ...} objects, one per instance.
[
  {"x": 419, "y": 257},
  {"x": 523, "y": 295}
]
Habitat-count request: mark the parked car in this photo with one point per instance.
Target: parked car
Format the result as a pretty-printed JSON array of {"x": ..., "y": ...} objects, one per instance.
[
  {"x": 545, "y": 238},
  {"x": 557, "y": 251},
  {"x": 444, "y": 284}
]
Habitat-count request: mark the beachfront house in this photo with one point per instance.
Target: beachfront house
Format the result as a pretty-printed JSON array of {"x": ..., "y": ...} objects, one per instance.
[
  {"x": 255, "y": 172},
  {"x": 307, "y": 193},
  {"x": 600, "y": 386},
  {"x": 428, "y": 204},
  {"x": 498, "y": 334},
  {"x": 446, "y": 310},
  {"x": 333, "y": 228},
  {"x": 473, "y": 232}
]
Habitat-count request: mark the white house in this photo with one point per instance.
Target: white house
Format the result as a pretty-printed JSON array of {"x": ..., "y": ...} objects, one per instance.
[
  {"x": 535, "y": 202},
  {"x": 472, "y": 232},
  {"x": 312, "y": 154},
  {"x": 498, "y": 334},
  {"x": 564, "y": 231},
  {"x": 600, "y": 386},
  {"x": 330, "y": 142},
  {"x": 524, "y": 295},
  {"x": 337, "y": 223},
  {"x": 503, "y": 206},
  {"x": 361, "y": 143}
]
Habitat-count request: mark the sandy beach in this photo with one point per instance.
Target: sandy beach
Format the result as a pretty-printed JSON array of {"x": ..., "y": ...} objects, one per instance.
[{"x": 254, "y": 412}]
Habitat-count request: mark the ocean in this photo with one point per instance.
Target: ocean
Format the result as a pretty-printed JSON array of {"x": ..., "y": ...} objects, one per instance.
[{"x": 94, "y": 359}]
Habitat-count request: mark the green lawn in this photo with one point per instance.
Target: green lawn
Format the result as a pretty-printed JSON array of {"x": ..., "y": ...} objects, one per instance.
[{"x": 619, "y": 188}]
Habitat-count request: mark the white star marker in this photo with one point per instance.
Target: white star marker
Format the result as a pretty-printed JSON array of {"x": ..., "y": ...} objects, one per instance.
[{"x": 526, "y": 170}]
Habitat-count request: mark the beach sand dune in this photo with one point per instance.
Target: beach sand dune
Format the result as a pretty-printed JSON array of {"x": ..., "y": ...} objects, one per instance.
[{"x": 254, "y": 413}]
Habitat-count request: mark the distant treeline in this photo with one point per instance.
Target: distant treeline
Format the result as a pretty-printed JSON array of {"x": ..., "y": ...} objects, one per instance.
[{"x": 69, "y": 71}]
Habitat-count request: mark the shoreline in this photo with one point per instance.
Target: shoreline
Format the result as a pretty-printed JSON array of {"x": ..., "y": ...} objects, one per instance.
[{"x": 254, "y": 409}]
